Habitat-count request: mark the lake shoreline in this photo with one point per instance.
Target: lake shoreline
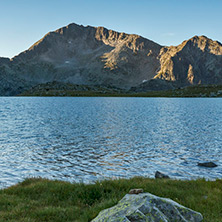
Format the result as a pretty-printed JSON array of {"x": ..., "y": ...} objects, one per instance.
[
  {"x": 48, "y": 90},
  {"x": 38, "y": 199}
]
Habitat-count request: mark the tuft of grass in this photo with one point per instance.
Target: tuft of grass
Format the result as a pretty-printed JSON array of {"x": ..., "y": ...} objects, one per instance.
[{"x": 38, "y": 199}]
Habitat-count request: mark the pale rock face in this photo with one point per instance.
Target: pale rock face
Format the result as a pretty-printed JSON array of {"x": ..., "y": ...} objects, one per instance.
[
  {"x": 147, "y": 207},
  {"x": 197, "y": 60},
  {"x": 190, "y": 74}
]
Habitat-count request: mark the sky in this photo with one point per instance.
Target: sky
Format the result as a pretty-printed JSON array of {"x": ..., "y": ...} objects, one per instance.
[{"x": 167, "y": 22}]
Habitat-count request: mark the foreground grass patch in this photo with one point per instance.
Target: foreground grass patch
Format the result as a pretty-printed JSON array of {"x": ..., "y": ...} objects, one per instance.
[{"x": 45, "y": 200}]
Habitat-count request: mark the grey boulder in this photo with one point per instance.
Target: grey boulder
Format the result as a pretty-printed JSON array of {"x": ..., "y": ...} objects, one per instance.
[{"x": 145, "y": 207}]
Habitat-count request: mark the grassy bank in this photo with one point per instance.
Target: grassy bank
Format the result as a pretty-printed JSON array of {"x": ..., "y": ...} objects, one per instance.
[
  {"x": 45, "y": 200},
  {"x": 96, "y": 91}
]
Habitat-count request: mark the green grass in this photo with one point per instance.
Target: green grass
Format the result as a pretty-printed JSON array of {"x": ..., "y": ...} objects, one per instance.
[
  {"x": 45, "y": 200},
  {"x": 190, "y": 91}
]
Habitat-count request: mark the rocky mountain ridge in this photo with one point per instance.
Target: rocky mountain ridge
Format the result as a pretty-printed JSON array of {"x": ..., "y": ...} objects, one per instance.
[
  {"x": 97, "y": 56},
  {"x": 198, "y": 59}
]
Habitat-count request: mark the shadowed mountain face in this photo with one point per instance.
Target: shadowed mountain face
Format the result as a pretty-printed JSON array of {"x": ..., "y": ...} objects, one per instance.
[
  {"x": 97, "y": 56},
  {"x": 4, "y": 60},
  {"x": 87, "y": 55}
]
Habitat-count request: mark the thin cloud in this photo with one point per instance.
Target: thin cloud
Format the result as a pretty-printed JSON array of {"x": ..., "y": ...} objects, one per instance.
[{"x": 169, "y": 34}]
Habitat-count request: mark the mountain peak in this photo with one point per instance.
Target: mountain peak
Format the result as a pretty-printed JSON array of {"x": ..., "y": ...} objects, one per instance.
[
  {"x": 204, "y": 43},
  {"x": 70, "y": 28},
  {"x": 96, "y": 55},
  {"x": 199, "y": 37}
]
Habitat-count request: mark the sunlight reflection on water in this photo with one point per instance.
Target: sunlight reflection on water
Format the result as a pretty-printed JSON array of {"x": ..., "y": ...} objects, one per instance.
[{"x": 87, "y": 139}]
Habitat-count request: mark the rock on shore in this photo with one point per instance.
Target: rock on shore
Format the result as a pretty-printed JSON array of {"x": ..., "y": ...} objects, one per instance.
[{"x": 147, "y": 207}]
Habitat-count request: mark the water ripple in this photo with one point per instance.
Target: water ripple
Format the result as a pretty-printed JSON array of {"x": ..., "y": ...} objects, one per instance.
[{"x": 88, "y": 139}]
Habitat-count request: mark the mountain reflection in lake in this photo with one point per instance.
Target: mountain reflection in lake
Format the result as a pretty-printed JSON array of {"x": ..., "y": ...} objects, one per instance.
[{"x": 88, "y": 139}]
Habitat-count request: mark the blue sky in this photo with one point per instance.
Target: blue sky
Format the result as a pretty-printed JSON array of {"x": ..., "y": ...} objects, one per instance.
[{"x": 167, "y": 22}]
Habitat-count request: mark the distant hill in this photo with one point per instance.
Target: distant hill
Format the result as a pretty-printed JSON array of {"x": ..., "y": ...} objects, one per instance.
[{"x": 97, "y": 56}]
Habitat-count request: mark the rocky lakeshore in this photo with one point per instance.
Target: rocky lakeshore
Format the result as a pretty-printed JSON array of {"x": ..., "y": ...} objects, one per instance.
[{"x": 37, "y": 199}]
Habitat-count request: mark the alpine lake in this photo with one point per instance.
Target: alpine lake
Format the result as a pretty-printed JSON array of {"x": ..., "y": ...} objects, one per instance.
[{"x": 85, "y": 139}]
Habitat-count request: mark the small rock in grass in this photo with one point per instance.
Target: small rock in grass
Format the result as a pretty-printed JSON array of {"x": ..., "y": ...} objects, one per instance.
[
  {"x": 135, "y": 191},
  {"x": 207, "y": 164},
  {"x": 159, "y": 175}
]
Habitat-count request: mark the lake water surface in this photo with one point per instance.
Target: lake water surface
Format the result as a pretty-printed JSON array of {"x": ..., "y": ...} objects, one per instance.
[{"x": 88, "y": 139}]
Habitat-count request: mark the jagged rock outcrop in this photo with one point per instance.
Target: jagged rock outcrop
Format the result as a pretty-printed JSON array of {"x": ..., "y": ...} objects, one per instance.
[
  {"x": 147, "y": 207},
  {"x": 98, "y": 56},
  {"x": 195, "y": 61}
]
